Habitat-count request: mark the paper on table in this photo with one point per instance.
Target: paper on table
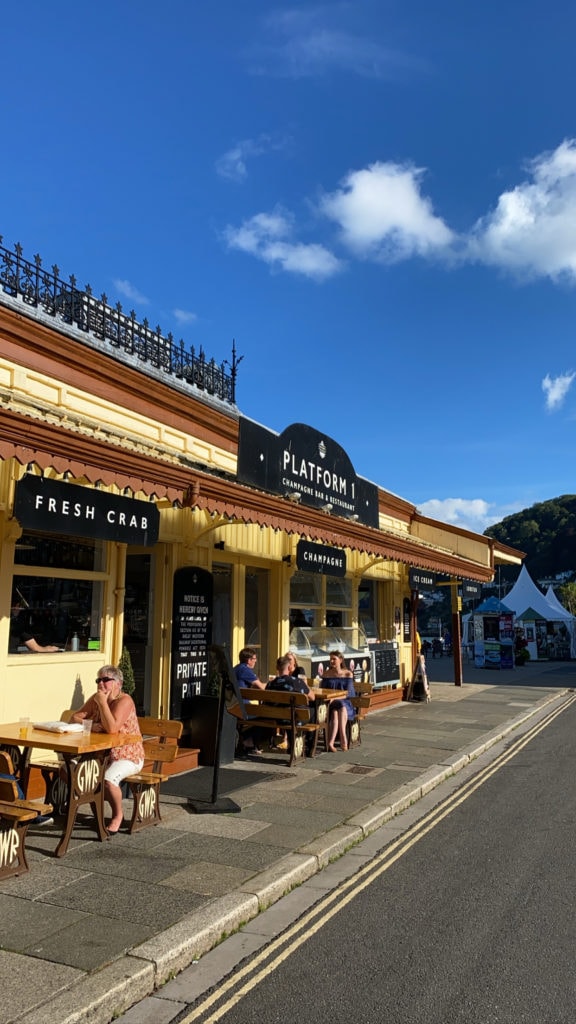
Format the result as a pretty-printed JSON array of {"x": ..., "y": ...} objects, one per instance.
[{"x": 58, "y": 726}]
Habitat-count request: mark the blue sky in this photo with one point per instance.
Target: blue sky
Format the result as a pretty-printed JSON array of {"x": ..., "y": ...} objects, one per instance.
[{"x": 376, "y": 200}]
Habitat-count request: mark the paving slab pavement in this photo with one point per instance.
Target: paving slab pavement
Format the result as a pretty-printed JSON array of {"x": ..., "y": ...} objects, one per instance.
[{"x": 98, "y": 930}]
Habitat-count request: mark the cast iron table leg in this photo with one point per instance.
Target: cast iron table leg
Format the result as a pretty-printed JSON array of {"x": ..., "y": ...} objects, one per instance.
[{"x": 85, "y": 786}]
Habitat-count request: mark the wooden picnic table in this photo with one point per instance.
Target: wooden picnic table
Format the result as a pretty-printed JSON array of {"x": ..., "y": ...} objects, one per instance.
[
  {"x": 84, "y": 761},
  {"x": 327, "y": 694},
  {"x": 322, "y": 702}
]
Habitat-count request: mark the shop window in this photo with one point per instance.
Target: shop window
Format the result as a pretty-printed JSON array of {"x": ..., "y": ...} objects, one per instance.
[
  {"x": 256, "y": 613},
  {"x": 338, "y": 592},
  {"x": 55, "y": 611},
  {"x": 222, "y": 605},
  {"x": 57, "y": 598},
  {"x": 306, "y": 589},
  {"x": 52, "y": 551},
  {"x": 138, "y": 616},
  {"x": 301, "y": 617}
]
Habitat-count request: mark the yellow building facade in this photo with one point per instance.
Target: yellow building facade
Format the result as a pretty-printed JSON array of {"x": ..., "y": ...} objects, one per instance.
[{"x": 120, "y": 459}]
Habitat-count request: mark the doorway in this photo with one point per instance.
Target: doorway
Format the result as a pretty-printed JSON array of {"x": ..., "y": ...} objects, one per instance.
[
  {"x": 256, "y": 618},
  {"x": 138, "y": 618}
]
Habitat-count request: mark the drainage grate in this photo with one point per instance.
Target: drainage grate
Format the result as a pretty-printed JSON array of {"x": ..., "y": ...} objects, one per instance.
[{"x": 359, "y": 769}]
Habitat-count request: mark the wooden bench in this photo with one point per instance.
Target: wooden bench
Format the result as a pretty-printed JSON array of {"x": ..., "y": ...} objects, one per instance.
[
  {"x": 278, "y": 709},
  {"x": 16, "y": 815},
  {"x": 160, "y": 738}
]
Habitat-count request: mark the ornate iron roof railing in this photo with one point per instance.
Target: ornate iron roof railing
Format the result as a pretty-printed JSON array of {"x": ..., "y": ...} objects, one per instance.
[{"x": 45, "y": 290}]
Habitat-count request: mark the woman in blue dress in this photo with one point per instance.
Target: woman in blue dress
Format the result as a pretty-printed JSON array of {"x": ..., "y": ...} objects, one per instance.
[{"x": 338, "y": 677}]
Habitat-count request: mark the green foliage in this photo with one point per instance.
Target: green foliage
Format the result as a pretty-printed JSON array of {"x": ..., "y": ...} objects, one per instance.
[
  {"x": 566, "y": 594},
  {"x": 522, "y": 656},
  {"x": 545, "y": 532},
  {"x": 125, "y": 664}
]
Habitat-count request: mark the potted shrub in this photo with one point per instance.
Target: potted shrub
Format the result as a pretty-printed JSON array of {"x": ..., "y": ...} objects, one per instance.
[{"x": 125, "y": 664}]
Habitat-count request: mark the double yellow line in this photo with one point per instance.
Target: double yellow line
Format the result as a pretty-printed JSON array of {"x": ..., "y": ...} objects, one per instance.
[{"x": 262, "y": 964}]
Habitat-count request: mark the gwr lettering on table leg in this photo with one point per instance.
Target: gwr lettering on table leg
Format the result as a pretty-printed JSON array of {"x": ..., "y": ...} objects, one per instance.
[{"x": 85, "y": 786}]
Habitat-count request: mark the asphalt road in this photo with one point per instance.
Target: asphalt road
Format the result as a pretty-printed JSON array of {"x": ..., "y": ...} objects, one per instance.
[{"x": 466, "y": 916}]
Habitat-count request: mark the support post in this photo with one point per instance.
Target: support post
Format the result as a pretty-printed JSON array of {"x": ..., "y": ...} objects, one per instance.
[{"x": 456, "y": 605}]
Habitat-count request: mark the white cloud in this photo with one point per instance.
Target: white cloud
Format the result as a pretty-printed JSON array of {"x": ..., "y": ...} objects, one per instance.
[
  {"x": 556, "y": 389},
  {"x": 473, "y": 514},
  {"x": 232, "y": 164},
  {"x": 268, "y": 237},
  {"x": 383, "y": 215},
  {"x": 531, "y": 231},
  {"x": 184, "y": 316},
  {"x": 307, "y": 43},
  {"x": 130, "y": 292}
]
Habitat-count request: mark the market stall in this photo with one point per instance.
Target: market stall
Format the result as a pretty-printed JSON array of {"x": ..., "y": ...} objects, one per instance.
[{"x": 493, "y": 632}]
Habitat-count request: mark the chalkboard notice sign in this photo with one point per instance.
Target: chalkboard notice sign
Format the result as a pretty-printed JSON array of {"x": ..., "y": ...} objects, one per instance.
[
  {"x": 192, "y": 601},
  {"x": 386, "y": 667}
]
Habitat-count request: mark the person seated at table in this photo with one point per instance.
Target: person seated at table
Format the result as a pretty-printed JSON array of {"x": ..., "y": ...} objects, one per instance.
[
  {"x": 297, "y": 672},
  {"x": 287, "y": 680},
  {"x": 245, "y": 670},
  {"x": 111, "y": 710},
  {"x": 5, "y": 762},
  {"x": 289, "y": 683},
  {"x": 340, "y": 710},
  {"x": 246, "y": 676}
]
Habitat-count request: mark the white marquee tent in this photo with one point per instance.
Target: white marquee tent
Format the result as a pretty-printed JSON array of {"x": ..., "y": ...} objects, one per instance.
[
  {"x": 530, "y": 604},
  {"x": 553, "y": 600}
]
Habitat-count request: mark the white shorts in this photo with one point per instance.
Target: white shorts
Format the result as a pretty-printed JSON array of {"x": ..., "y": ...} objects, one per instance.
[{"x": 117, "y": 771}]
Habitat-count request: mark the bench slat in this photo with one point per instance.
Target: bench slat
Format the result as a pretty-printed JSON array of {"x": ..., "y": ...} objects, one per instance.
[
  {"x": 287, "y": 710},
  {"x": 168, "y": 728},
  {"x": 157, "y": 751},
  {"x": 14, "y": 813}
]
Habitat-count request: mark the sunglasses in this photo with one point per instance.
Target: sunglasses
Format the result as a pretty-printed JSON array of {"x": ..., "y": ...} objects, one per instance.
[{"x": 105, "y": 679}]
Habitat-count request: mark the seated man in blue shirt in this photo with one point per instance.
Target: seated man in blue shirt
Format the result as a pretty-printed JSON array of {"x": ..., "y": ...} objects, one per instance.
[
  {"x": 245, "y": 670},
  {"x": 246, "y": 676}
]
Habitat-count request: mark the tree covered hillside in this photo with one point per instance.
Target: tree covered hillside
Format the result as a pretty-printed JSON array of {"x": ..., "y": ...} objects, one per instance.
[{"x": 546, "y": 532}]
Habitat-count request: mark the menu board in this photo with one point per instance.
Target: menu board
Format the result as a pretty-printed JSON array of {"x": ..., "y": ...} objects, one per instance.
[
  {"x": 192, "y": 604},
  {"x": 386, "y": 664}
]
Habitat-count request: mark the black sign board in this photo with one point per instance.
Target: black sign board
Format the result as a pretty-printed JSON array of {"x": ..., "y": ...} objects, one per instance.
[
  {"x": 308, "y": 466},
  {"x": 386, "y": 663},
  {"x": 421, "y": 579},
  {"x": 192, "y": 609},
  {"x": 471, "y": 590},
  {"x": 56, "y": 507},
  {"x": 320, "y": 558},
  {"x": 406, "y": 620}
]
